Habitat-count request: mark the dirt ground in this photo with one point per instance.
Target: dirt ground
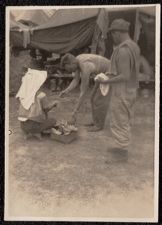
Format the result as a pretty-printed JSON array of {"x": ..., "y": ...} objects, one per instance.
[{"x": 50, "y": 179}]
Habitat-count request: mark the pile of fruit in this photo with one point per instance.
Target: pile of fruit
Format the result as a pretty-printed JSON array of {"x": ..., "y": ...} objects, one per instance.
[{"x": 63, "y": 128}]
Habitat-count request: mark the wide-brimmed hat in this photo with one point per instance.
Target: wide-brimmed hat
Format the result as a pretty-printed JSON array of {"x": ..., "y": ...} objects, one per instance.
[{"x": 119, "y": 25}]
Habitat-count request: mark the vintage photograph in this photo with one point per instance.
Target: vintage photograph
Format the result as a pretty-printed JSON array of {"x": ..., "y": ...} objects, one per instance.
[{"x": 82, "y": 113}]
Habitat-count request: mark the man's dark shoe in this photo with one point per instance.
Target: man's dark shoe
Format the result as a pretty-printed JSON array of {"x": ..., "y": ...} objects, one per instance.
[
  {"x": 90, "y": 124},
  {"x": 94, "y": 129}
]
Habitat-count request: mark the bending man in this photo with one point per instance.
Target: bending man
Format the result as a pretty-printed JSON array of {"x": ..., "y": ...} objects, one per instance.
[{"x": 84, "y": 66}]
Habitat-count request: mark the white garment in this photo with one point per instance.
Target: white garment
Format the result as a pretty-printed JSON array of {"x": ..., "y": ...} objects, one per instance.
[
  {"x": 39, "y": 96},
  {"x": 31, "y": 83},
  {"x": 103, "y": 87},
  {"x": 22, "y": 119}
]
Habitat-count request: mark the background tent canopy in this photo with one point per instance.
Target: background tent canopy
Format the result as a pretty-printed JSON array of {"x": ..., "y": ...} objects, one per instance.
[
  {"x": 73, "y": 28},
  {"x": 36, "y": 17},
  {"x": 68, "y": 16},
  {"x": 17, "y": 26},
  {"x": 67, "y": 29},
  {"x": 148, "y": 10},
  {"x": 72, "y": 15},
  {"x": 60, "y": 39}
]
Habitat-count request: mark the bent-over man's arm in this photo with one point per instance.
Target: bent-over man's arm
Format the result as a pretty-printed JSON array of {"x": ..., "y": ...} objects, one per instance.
[
  {"x": 74, "y": 83},
  {"x": 86, "y": 71},
  {"x": 47, "y": 105}
]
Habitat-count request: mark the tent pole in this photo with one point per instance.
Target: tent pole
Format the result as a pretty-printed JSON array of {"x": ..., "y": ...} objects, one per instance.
[{"x": 137, "y": 26}]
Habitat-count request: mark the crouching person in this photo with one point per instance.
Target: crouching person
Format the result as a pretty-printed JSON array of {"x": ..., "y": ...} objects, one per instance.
[{"x": 34, "y": 104}]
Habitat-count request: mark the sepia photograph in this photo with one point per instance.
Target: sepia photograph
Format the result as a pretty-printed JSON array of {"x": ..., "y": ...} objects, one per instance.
[{"x": 82, "y": 113}]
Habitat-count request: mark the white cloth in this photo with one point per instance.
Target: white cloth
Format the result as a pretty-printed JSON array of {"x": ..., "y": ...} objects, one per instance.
[
  {"x": 103, "y": 87},
  {"x": 31, "y": 83},
  {"x": 22, "y": 119}
]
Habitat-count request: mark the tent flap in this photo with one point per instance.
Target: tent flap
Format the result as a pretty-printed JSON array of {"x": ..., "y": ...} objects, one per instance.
[{"x": 59, "y": 39}]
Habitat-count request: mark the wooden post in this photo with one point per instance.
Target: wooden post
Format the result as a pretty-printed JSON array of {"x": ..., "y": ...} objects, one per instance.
[{"x": 136, "y": 26}]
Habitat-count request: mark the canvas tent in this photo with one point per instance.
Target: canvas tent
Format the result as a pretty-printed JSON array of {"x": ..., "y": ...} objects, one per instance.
[
  {"x": 66, "y": 30},
  {"x": 17, "y": 26},
  {"x": 32, "y": 17},
  {"x": 70, "y": 29},
  {"x": 68, "y": 16}
]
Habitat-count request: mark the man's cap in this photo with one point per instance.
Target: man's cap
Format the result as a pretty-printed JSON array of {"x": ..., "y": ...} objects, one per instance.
[{"x": 119, "y": 25}]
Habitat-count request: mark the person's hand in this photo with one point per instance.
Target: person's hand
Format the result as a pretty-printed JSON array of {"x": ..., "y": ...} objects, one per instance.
[
  {"x": 55, "y": 103},
  {"x": 108, "y": 74},
  {"x": 72, "y": 120},
  {"x": 98, "y": 80}
]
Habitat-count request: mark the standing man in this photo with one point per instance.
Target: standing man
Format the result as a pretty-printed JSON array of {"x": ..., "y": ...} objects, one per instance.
[
  {"x": 123, "y": 78},
  {"x": 83, "y": 67}
]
